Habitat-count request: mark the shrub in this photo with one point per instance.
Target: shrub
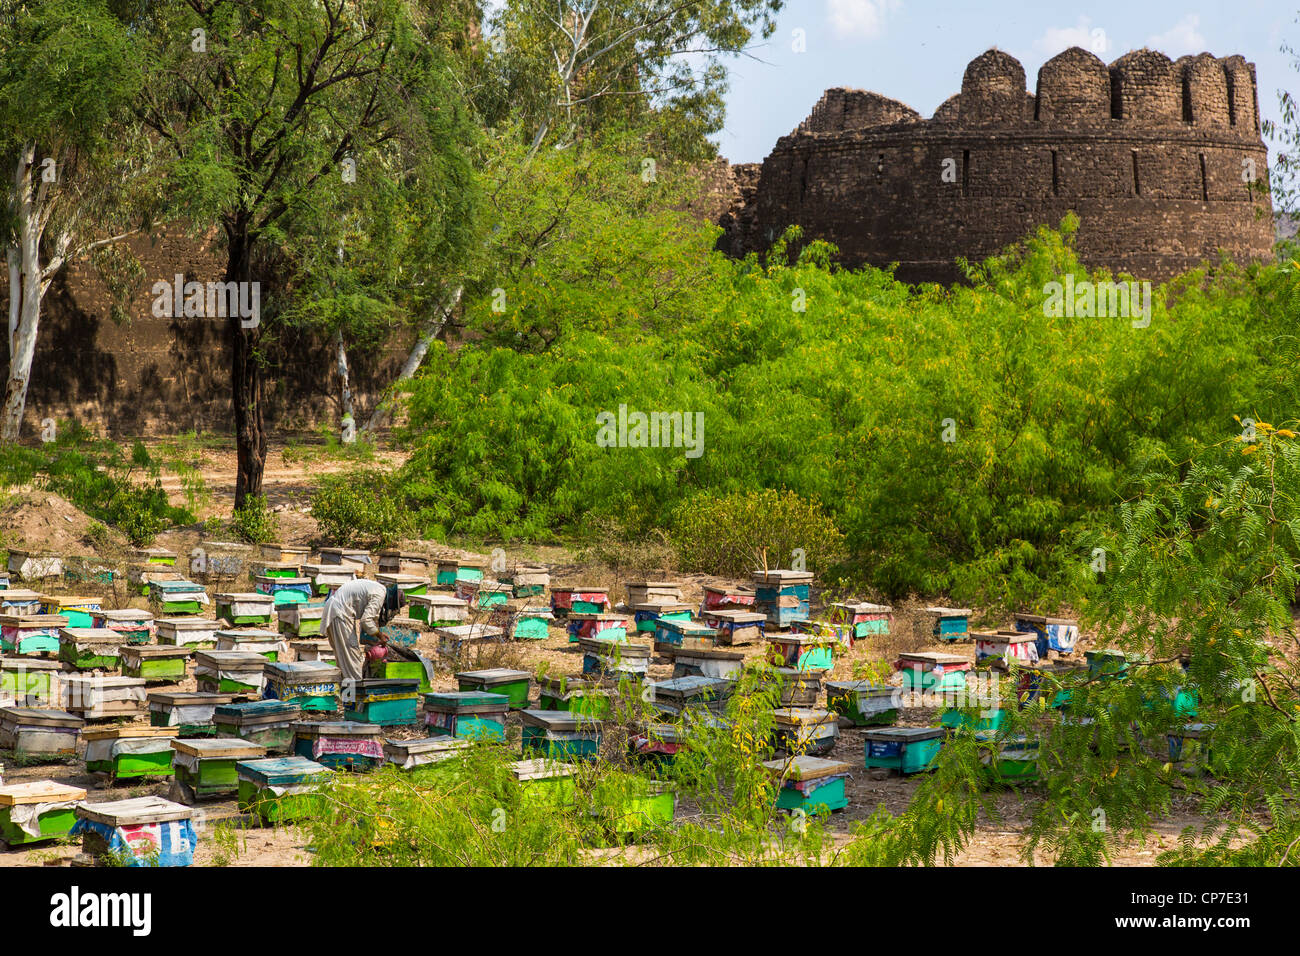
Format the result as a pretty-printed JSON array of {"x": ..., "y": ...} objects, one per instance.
[
  {"x": 734, "y": 534},
  {"x": 363, "y": 506},
  {"x": 255, "y": 522}
]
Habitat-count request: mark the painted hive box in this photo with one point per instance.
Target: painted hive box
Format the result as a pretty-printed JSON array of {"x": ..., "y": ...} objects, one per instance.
[
  {"x": 143, "y": 831},
  {"x": 128, "y": 751},
  {"x": 37, "y": 811},
  {"x": 811, "y": 784}
]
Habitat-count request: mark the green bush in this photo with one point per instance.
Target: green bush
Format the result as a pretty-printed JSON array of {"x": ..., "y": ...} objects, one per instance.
[
  {"x": 735, "y": 534},
  {"x": 255, "y": 522},
  {"x": 359, "y": 507}
]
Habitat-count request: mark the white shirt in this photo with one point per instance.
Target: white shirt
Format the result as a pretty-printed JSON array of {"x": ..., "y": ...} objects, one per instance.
[{"x": 358, "y": 600}]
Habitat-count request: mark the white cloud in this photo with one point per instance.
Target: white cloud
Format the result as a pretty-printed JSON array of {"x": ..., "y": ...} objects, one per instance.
[
  {"x": 1082, "y": 34},
  {"x": 860, "y": 18},
  {"x": 1183, "y": 37}
]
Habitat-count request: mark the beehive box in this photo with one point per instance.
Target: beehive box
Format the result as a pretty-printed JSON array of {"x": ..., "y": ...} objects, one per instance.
[
  {"x": 4, "y": 580},
  {"x": 708, "y": 662},
  {"x": 531, "y": 623},
  {"x": 408, "y": 584},
  {"x": 274, "y": 569},
  {"x": 143, "y": 831},
  {"x": 90, "y": 648},
  {"x": 1012, "y": 758},
  {"x": 601, "y": 657},
  {"x": 580, "y": 695},
  {"x": 985, "y": 713},
  {"x": 1191, "y": 744},
  {"x": 905, "y": 749},
  {"x": 466, "y": 713},
  {"x": 1102, "y": 662},
  {"x": 207, "y": 767},
  {"x": 946, "y": 623},
  {"x": 193, "y": 632},
  {"x": 280, "y": 790},
  {"x": 327, "y": 578},
  {"x": 498, "y": 680},
  {"x": 318, "y": 650},
  {"x": 658, "y": 742},
  {"x": 339, "y": 744},
  {"x": 140, "y": 576},
  {"x": 284, "y": 590},
  {"x": 230, "y": 672},
  {"x": 221, "y": 560},
  {"x": 135, "y": 626},
  {"x": 37, "y": 811},
  {"x": 438, "y": 610},
  {"x": 34, "y": 565},
  {"x": 782, "y": 595},
  {"x": 560, "y": 734},
  {"x": 811, "y": 784},
  {"x": 925, "y": 671},
  {"x": 653, "y": 804},
  {"x": 673, "y": 635},
  {"x": 798, "y": 688},
  {"x": 864, "y": 618},
  {"x": 268, "y": 644},
  {"x": 805, "y": 730},
  {"x": 281, "y": 553},
  {"x": 735, "y": 598},
  {"x": 246, "y": 609},
  {"x": 31, "y": 730},
  {"x": 864, "y": 703},
  {"x": 81, "y": 570},
  {"x": 312, "y": 685},
  {"x": 28, "y": 682},
  {"x": 392, "y": 669},
  {"x": 645, "y": 615},
  {"x": 544, "y": 781},
  {"x": 156, "y": 556},
  {"x": 422, "y": 751},
  {"x": 129, "y": 751},
  {"x": 300, "y": 620},
  {"x": 528, "y": 581},
  {"x": 358, "y": 559},
  {"x": 579, "y": 600},
  {"x": 453, "y": 640},
  {"x": 610, "y": 627},
  {"x": 1000, "y": 648},
  {"x": 736, "y": 627},
  {"x": 79, "y": 611},
  {"x": 678, "y": 694},
  {"x": 24, "y": 634},
  {"x": 840, "y": 635},
  {"x": 1059, "y": 634},
  {"x": 98, "y": 698},
  {"x": 189, "y": 713},
  {"x": 1045, "y": 676},
  {"x": 402, "y": 631},
  {"x": 453, "y": 570},
  {"x": 392, "y": 561},
  {"x": 804, "y": 652},
  {"x": 266, "y": 722},
  {"x": 177, "y": 597},
  {"x": 154, "y": 665},
  {"x": 20, "y": 602},
  {"x": 483, "y": 594},
  {"x": 653, "y": 592},
  {"x": 385, "y": 701}
]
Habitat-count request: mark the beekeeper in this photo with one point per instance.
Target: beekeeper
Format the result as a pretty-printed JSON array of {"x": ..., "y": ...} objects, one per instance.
[{"x": 359, "y": 602}]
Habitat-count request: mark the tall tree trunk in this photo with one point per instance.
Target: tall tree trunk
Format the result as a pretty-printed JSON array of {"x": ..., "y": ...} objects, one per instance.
[
  {"x": 24, "y": 297},
  {"x": 413, "y": 360},
  {"x": 348, "y": 433},
  {"x": 246, "y": 382}
]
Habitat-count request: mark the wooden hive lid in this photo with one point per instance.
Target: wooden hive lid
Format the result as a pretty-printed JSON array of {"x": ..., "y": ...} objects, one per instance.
[
  {"x": 39, "y": 717},
  {"x": 231, "y": 597},
  {"x": 128, "y": 732},
  {"x": 933, "y": 657},
  {"x": 692, "y": 686},
  {"x": 707, "y": 653},
  {"x": 559, "y": 720},
  {"x": 495, "y": 675},
  {"x": 597, "y": 645},
  {"x": 125, "y": 614},
  {"x": 253, "y": 709},
  {"x": 465, "y": 698},
  {"x": 1005, "y": 637},
  {"x": 1030, "y": 618},
  {"x": 345, "y": 551},
  {"x": 33, "y": 620},
  {"x": 652, "y": 608},
  {"x": 29, "y": 663},
  {"x": 737, "y": 617},
  {"x": 154, "y": 650},
  {"x": 185, "y": 698},
  {"x": 599, "y": 616},
  {"x": 540, "y": 768},
  {"x": 579, "y": 589},
  {"x": 468, "y": 631},
  {"x": 441, "y": 598},
  {"x": 386, "y": 577},
  {"x": 303, "y": 670},
  {"x": 103, "y": 683},
  {"x": 335, "y": 728},
  {"x": 254, "y": 635},
  {"x": 860, "y": 687},
  {"x": 21, "y": 595},
  {"x": 782, "y": 576},
  {"x": 948, "y": 611},
  {"x": 283, "y": 582},
  {"x": 426, "y": 745},
  {"x": 39, "y": 791},
  {"x": 186, "y": 624},
  {"x": 800, "y": 716},
  {"x": 180, "y": 586},
  {"x": 91, "y": 635},
  {"x": 903, "y": 733},
  {"x": 136, "y": 810},
  {"x": 805, "y": 767},
  {"x": 207, "y": 747},
  {"x": 811, "y": 678},
  {"x": 67, "y": 600},
  {"x": 235, "y": 659}
]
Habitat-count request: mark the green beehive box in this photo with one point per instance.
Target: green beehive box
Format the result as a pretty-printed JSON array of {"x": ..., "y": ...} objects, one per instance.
[
  {"x": 284, "y": 590},
  {"x": 79, "y": 611},
  {"x": 28, "y": 681},
  {"x": 160, "y": 557},
  {"x": 655, "y": 805},
  {"x": 135, "y": 626},
  {"x": 438, "y": 610},
  {"x": 280, "y": 790},
  {"x": 206, "y": 767},
  {"x": 408, "y": 584},
  {"x": 37, "y": 811},
  {"x": 530, "y": 623},
  {"x": 128, "y": 751},
  {"x": 230, "y": 672},
  {"x": 498, "y": 680},
  {"x": 466, "y": 714},
  {"x": 155, "y": 664},
  {"x": 90, "y": 648},
  {"x": 24, "y": 634},
  {"x": 268, "y": 644},
  {"x": 813, "y": 785},
  {"x": 387, "y": 702},
  {"x": 326, "y": 578},
  {"x": 560, "y": 734},
  {"x": 579, "y": 695},
  {"x": 300, "y": 620},
  {"x": 266, "y": 722},
  {"x": 991, "y": 716},
  {"x": 543, "y": 781},
  {"x": 245, "y": 608},
  {"x": 315, "y": 686},
  {"x": 933, "y": 672},
  {"x": 177, "y": 597},
  {"x": 483, "y": 594},
  {"x": 400, "y": 670},
  {"x": 189, "y": 713},
  {"x": 1008, "y": 759},
  {"x": 285, "y": 568},
  {"x": 905, "y": 749},
  {"x": 864, "y": 703}
]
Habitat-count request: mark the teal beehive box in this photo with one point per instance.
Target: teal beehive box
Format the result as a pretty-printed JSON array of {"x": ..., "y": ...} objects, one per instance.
[
  {"x": 930, "y": 672},
  {"x": 278, "y": 790},
  {"x": 80, "y": 611},
  {"x": 315, "y": 686},
  {"x": 946, "y": 623},
  {"x": 905, "y": 749},
  {"x": 339, "y": 744},
  {"x": 811, "y": 784},
  {"x": 804, "y": 652},
  {"x": 284, "y": 590},
  {"x": 24, "y": 634},
  {"x": 863, "y": 618},
  {"x": 864, "y": 703},
  {"x": 466, "y": 713},
  {"x": 560, "y": 734},
  {"x": 387, "y": 702},
  {"x": 783, "y": 596}
]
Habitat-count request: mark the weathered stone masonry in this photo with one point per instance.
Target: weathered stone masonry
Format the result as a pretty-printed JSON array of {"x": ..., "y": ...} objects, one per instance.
[{"x": 1152, "y": 155}]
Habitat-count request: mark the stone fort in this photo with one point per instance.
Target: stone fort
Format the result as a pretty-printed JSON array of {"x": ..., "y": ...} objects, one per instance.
[{"x": 1162, "y": 161}]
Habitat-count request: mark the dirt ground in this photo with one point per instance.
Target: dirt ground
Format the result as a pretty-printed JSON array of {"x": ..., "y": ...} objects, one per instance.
[{"x": 41, "y": 520}]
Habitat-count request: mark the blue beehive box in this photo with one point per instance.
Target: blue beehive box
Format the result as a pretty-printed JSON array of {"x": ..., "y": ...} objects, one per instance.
[
  {"x": 905, "y": 749},
  {"x": 466, "y": 713},
  {"x": 1058, "y": 634},
  {"x": 782, "y": 596},
  {"x": 142, "y": 831},
  {"x": 948, "y": 623}
]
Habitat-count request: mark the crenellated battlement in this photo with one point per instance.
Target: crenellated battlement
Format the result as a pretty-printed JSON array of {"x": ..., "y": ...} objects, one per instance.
[{"x": 1162, "y": 160}]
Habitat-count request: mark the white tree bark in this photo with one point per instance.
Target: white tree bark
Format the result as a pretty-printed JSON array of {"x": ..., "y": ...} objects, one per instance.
[{"x": 413, "y": 360}]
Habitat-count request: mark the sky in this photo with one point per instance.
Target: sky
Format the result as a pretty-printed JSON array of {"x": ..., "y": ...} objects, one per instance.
[{"x": 916, "y": 50}]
